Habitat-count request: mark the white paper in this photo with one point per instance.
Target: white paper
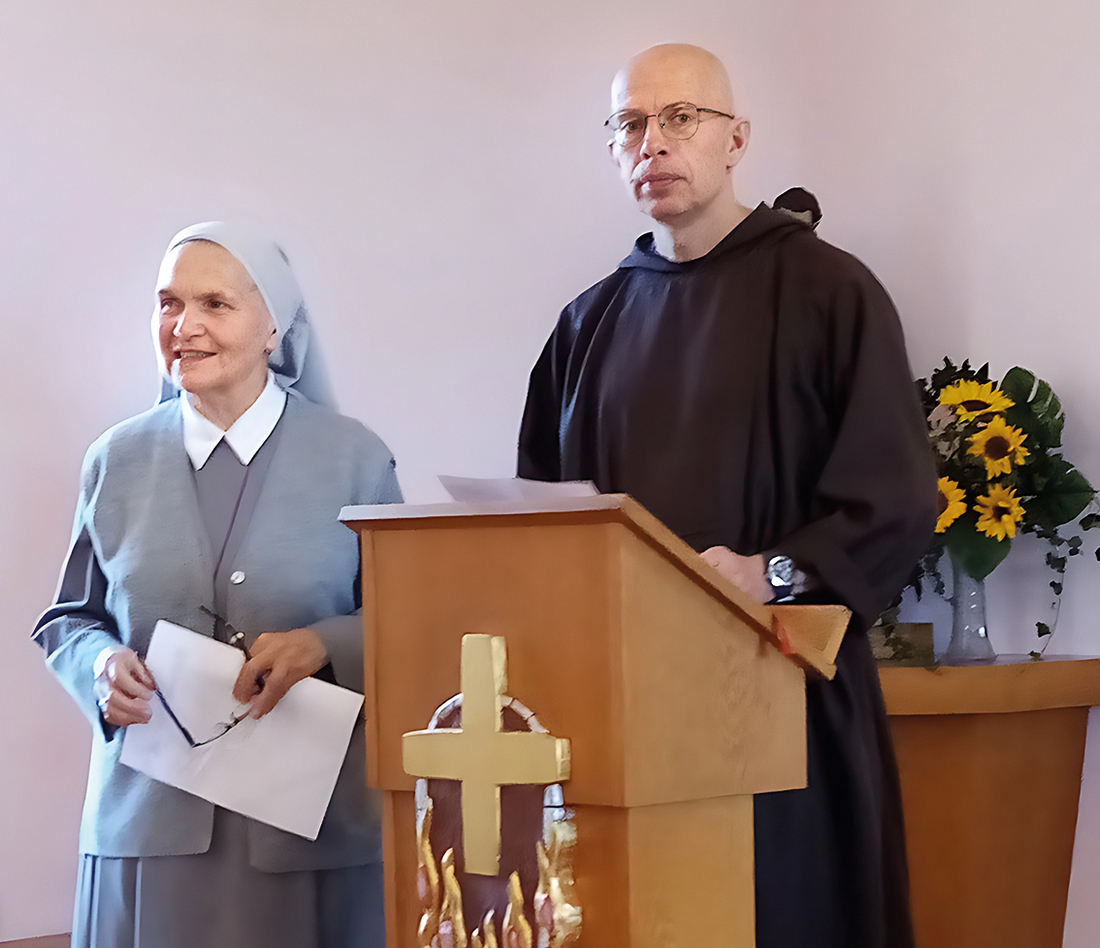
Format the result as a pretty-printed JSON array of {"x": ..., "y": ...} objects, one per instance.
[
  {"x": 280, "y": 769},
  {"x": 475, "y": 490}
]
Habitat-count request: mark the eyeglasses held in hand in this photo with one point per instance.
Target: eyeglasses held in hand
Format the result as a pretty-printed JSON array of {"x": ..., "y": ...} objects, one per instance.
[
  {"x": 236, "y": 639},
  {"x": 679, "y": 120},
  {"x": 226, "y": 726}
]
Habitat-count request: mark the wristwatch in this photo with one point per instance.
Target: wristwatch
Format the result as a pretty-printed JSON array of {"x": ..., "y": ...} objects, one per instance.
[{"x": 785, "y": 578}]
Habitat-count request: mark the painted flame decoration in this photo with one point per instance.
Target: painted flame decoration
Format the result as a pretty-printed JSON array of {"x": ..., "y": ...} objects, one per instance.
[
  {"x": 427, "y": 882},
  {"x": 517, "y": 930},
  {"x": 452, "y": 926},
  {"x": 556, "y": 911},
  {"x": 557, "y": 915},
  {"x": 488, "y": 931}
]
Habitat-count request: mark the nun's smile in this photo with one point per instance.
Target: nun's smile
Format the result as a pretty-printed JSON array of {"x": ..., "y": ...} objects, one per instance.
[{"x": 215, "y": 330}]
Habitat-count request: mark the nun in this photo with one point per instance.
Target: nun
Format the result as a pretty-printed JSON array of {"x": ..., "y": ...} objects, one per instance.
[{"x": 217, "y": 510}]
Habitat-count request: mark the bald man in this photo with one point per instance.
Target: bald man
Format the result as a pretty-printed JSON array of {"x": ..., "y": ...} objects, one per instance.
[{"x": 748, "y": 383}]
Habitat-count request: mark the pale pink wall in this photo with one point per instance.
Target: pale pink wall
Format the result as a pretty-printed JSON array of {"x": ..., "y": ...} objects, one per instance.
[
  {"x": 951, "y": 146},
  {"x": 960, "y": 148}
]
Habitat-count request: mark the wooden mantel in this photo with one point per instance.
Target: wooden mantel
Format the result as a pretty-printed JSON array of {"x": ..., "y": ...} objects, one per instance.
[{"x": 1013, "y": 683}]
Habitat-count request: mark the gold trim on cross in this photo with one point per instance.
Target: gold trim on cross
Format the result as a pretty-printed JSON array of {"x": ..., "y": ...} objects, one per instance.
[{"x": 481, "y": 755}]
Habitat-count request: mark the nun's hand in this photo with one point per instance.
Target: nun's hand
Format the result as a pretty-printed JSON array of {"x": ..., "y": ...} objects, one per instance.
[
  {"x": 745, "y": 572},
  {"x": 123, "y": 689},
  {"x": 279, "y": 660}
]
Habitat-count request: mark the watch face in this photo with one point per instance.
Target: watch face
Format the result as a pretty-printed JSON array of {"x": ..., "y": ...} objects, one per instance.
[{"x": 780, "y": 571}]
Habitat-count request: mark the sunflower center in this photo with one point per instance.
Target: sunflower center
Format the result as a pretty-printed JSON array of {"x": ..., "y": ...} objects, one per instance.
[
  {"x": 976, "y": 404},
  {"x": 997, "y": 448},
  {"x": 1000, "y": 512},
  {"x": 943, "y": 502}
]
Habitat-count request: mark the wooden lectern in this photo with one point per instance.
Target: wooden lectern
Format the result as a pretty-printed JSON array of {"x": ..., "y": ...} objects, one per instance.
[{"x": 679, "y": 696}]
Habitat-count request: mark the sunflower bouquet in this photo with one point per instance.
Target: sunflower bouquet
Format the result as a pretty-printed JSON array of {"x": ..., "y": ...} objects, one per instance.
[{"x": 1001, "y": 472}]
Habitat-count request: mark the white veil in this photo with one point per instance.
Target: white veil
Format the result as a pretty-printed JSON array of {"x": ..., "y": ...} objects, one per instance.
[{"x": 296, "y": 360}]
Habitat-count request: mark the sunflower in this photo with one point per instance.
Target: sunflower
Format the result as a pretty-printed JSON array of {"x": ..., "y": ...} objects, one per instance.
[
  {"x": 972, "y": 399},
  {"x": 998, "y": 512},
  {"x": 952, "y": 503},
  {"x": 1000, "y": 446}
]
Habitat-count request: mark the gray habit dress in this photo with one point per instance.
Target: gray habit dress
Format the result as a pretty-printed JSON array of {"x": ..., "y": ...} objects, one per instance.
[{"x": 215, "y": 899}]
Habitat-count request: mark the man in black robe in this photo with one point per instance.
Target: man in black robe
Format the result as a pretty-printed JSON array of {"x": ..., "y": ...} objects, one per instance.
[{"x": 748, "y": 383}]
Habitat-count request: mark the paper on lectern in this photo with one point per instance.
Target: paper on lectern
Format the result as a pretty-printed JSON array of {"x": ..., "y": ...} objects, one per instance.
[
  {"x": 475, "y": 490},
  {"x": 280, "y": 769}
]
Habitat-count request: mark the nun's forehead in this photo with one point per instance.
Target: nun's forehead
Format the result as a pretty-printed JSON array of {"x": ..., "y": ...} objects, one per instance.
[
  {"x": 216, "y": 254},
  {"x": 263, "y": 260}
]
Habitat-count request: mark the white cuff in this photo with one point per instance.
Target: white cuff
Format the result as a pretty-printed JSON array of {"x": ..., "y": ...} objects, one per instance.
[{"x": 100, "y": 662}]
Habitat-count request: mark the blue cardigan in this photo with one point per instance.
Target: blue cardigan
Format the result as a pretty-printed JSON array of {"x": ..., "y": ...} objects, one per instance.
[{"x": 140, "y": 553}]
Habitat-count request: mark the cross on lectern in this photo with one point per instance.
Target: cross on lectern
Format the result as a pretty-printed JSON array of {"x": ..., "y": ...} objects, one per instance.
[{"x": 482, "y": 756}]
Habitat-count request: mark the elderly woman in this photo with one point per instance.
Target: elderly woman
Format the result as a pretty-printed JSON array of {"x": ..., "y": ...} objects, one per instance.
[{"x": 220, "y": 501}]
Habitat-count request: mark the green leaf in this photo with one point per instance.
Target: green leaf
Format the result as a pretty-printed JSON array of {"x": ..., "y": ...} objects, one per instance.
[
  {"x": 1042, "y": 628},
  {"x": 1062, "y": 498},
  {"x": 928, "y": 570},
  {"x": 975, "y": 552},
  {"x": 1037, "y": 410}
]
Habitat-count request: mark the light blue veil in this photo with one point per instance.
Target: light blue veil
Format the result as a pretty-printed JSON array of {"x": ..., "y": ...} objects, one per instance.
[{"x": 296, "y": 359}]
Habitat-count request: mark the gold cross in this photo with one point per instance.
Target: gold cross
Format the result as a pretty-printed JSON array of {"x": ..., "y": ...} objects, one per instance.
[{"x": 482, "y": 756}]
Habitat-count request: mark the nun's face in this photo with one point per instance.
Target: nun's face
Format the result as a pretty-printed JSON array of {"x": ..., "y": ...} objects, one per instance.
[{"x": 213, "y": 324}]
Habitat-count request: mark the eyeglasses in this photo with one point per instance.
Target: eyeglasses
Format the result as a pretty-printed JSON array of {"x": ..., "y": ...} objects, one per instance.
[
  {"x": 679, "y": 120},
  {"x": 236, "y": 639},
  {"x": 225, "y": 726}
]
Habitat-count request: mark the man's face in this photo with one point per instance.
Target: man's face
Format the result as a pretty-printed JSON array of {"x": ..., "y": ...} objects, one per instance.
[{"x": 676, "y": 180}]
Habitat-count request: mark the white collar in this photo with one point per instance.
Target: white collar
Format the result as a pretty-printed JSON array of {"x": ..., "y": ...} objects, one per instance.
[{"x": 245, "y": 436}]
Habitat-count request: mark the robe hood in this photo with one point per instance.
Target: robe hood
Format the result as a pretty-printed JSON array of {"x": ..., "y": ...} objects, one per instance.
[{"x": 762, "y": 223}]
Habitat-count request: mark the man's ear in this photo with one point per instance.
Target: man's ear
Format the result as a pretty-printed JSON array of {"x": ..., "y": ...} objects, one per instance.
[{"x": 740, "y": 129}]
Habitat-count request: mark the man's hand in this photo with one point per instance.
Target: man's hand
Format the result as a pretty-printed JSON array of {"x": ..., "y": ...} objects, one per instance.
[
  {"x": 279, "y": 660},
  {"x": 745, "y": 572},
  {"x": 123, "y": 689}
]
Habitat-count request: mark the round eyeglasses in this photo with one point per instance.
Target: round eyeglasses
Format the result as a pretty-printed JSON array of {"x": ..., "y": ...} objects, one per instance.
[{"x": 679, "y": 120}]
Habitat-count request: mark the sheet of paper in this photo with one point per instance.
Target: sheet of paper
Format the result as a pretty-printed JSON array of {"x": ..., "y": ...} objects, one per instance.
[
  {"x": 280, "y": 769},
  {"x": 474, "y": 490}
]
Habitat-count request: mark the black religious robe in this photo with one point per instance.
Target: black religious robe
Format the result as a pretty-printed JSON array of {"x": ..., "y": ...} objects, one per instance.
[{"x": 760, "y": 398}]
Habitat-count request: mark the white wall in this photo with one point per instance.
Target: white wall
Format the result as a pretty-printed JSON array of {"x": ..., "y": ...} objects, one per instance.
[{"x": 437, "y": 173}]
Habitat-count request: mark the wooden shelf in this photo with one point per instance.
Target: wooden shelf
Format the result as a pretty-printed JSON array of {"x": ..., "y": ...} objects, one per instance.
[{"x": 1014, "y": 683}]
